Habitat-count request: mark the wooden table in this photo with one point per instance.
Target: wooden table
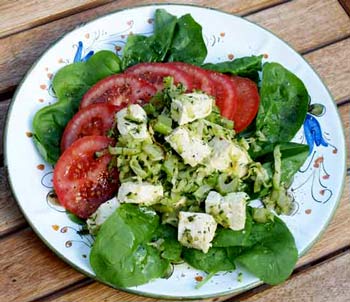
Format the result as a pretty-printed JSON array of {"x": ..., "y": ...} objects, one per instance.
[{"x": 319, "y": 30}]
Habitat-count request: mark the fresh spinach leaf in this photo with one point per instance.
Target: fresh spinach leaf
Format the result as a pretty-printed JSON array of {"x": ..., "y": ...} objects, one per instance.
[
  {"x": 283, "y": 103},
  {"x": 188, "y": 45},
  {"x": 122, "y": 254},
  {"x": 290, "y": 164},
  {"x": 153, "y": 48},
  {"x": 234, "y": 251},
  {"x": 48, "y": 126},
  {"x": 274, "y": 254},
  {"x": 70, "y": 83},
  {"x": 245, "y": 67},
  {"x": 227, "y": 237},
  {"x": 214, "y": 261},
  {"x": 173, "y": 40},
  {"x": 102, "y": 64},
  {"x": 170, "y": 247}
]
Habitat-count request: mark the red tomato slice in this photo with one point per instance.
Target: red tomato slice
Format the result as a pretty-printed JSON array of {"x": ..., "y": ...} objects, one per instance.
[
  {"x": 119, "y": 90},
  {"x": 155, "y": 72},
  {"x": 248, "y": 103},
  {"x": 225, "y": 93},
  {"x": 199, "y": 77},
  {"x": 83, "y": 181},
  {"x": 95, "y": 119}
]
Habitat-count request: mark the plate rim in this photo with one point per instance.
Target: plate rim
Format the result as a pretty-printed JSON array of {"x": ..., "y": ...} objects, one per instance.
[{"x": 131, "y": 290}]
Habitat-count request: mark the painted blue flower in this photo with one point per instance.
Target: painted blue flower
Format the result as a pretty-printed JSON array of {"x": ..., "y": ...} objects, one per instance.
[
  {"x": 313, "y": 132},
  {"x": 78, "y": 55}
]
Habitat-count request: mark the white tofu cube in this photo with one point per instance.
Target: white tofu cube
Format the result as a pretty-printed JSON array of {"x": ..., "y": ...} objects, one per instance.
[
  {"x": 228, "y": 157},
  {"x": 140, "y": 193},
  {"x": 196, "y": 230},
  {"x": 189, "y": 107},
  {"x": 133, "y": 120},
  {"x": 105, "y": 210},
  {"x": 192, "y": 149},
  {"x": 220, "y": 159},
  {"x": 229, "y": 210}
]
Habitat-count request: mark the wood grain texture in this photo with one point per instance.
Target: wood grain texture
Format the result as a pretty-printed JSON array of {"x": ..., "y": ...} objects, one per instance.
[
  {"x": 329, "y": 281},
  {"x": 4, "y": 105},
  {"x": 306, "y": 24},
  {"x": 30, "y": 270},
  {"x": 10, "y": 216},
  {"x": 336, "y": 76},
  {"x": 344, "y": 112},
  {"x": 18, "y": 52},
  {"x": 24, "y": 14},
  {"x": 346, "y": 6},
  {"x": 97, "y": 292}
]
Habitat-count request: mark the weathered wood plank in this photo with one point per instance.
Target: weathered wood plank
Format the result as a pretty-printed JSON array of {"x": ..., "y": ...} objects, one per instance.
[
  {"x": 24, "y": 14},
  {"x": 4, "y": 105},
  {"x": 346, "y": 5},
  {"x": 97, "y": 292},
  {"x": 325, "y": 282},
  {"x": 336, "y": 76},
  {"x": 306, "y": 24},
  {"x": 344, "y": 112},
  {"x": 30, "y": 270},
  {"x": 10, "y": 216},
  {"x": 19, "y": 51}
]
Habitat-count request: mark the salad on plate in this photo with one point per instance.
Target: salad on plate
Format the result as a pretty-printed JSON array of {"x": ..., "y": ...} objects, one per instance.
[{"x": 168, "y": 159}]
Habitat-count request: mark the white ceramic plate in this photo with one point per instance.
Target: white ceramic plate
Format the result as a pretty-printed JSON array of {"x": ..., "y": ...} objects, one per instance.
[{"x": 317, "y": 187}]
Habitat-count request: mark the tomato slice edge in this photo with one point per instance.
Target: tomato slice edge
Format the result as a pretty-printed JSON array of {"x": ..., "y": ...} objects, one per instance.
[{"x": 81, "y": 181}]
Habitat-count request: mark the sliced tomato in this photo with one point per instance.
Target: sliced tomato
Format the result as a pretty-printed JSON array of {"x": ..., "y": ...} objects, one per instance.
[
  {"x": 95, "y": 119},
  {"x": 199, "y": 77},
  {"x": 83, "y": 181},
  {"x": 247, "y": 104},
  {"x": 155, "y": 72},
  {"x": 225, "y": 93},
  {"x": 119, "y": 90}
]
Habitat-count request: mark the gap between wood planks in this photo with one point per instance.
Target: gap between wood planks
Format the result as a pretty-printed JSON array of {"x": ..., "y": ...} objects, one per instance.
[
  {"x": 346, "y": 6},
  {"x": 318, "y": 47},
  {"x": 80, "y": 9},
  {"x": 53, "y": 17}
]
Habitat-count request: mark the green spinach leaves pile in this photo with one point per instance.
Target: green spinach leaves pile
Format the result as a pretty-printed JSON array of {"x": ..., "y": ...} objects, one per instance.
[{"x": 132, "y": 247}]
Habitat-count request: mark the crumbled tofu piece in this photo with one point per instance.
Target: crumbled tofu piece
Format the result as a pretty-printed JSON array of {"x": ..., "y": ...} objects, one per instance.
[
  {"x": 140, "y": 193},
  {"x": 133, "y": 120},
  {"x": 240, "y": 160},
  {"x": 196, "y": 230},
  {"x": 229, "y": 210},
  {"x": 228, "y": 157},
  {"x": 192, "y": 149},
  {"x": 220, "y": 158},
  {"x": 105, "y": 210},
  {"x": 189, "y": 107}
]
